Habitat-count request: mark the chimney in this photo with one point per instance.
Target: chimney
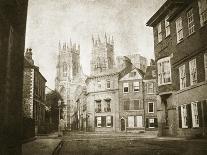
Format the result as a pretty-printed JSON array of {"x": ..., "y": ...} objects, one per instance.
[{"x": 28, "y": 56}]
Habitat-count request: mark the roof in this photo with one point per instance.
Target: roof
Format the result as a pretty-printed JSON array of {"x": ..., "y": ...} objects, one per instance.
[
  {"x": 27, "y": 64},
  {"x": 149, "y": 73},
  {"x": 166, "y": 8}
]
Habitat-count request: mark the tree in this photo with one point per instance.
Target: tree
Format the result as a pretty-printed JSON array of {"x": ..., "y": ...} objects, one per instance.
[{"x": 52, "y": 114}]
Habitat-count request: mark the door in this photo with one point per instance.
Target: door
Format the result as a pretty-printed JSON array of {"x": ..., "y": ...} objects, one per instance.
[
  {"x": 139, "y": 122},
  {"x": 122, "y": 125}
]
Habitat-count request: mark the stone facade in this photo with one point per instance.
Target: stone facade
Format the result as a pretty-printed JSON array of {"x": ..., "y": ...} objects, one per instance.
[
  {"x": 69, "y": 76},
  {"x": 102, "y": 54},
  {"x": 180, "y": 43},
  {"x": 33, "y": 92}
]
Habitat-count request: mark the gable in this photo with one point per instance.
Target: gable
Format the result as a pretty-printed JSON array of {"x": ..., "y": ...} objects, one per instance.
[{"x": 133, "y": 75}]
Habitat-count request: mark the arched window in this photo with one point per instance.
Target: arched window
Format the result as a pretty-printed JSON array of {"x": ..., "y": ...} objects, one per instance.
[{"x": 64, "y": 69}]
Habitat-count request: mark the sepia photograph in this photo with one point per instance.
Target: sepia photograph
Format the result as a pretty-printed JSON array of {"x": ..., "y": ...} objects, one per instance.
[{"x": 103, "y": 77}]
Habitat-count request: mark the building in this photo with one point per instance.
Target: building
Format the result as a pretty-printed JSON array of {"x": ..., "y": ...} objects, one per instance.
[
  {"x": 33, "y": 93},
  {"x": 137, "y": 100},
  {"x": 180, "y": 33},
  {"x": 69, "y": 76},
  {"x": 13, "y": 14},
  {"x": 80, "y": 113},
  {"x": 150, "y": 97},
  {"x": 102, "y": 54},
  {"x": 137, "y": 60},
  {"x": 131, "y": 101}
]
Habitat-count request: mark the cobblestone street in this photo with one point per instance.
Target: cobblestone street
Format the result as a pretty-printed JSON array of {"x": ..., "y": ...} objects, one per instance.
[{"x": 129, "y": 144}]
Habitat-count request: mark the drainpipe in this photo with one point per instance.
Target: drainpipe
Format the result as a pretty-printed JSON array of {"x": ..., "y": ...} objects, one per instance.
[{"x": 143, "y": 92}]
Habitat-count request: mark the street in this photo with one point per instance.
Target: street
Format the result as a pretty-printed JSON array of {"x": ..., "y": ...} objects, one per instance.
[{"x": 129, "y": 144}]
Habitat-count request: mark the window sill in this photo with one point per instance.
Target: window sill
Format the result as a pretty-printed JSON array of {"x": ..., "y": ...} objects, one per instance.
[
  {"x": 168, "y": 83},
  {"x": 189, "y": 35},
  {"x": 181, "y": 41},
  {"x": 167, "y": 36},
  {"x": 151, "y": 112}
]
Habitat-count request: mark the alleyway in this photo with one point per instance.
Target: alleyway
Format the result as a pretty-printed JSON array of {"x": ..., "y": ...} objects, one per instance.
[{"x": 129, "y": 144}]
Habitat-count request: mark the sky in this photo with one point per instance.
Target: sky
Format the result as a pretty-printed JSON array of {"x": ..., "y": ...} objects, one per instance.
[{"x": 51, "y": 21}]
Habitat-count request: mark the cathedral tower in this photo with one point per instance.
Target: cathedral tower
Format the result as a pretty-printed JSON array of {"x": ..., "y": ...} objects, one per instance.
[
  {"x": 68, "y": 69},
  {"x": 102, "y": 54}
]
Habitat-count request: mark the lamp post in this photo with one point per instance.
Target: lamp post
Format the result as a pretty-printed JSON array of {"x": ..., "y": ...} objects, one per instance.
[{"x": 59, "y": 104}]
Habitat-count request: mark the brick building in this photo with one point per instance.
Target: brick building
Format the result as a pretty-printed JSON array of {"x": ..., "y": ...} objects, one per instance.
[
  {"x": 33, "y": 92},
  {"x": 150, "y": 97},
  {"x": 180, "y": 33},
  {"x": 131, "y": 100}
]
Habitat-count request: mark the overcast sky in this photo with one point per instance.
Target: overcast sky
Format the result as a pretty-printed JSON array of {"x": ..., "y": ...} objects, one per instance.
[{"x": 49, "y": 21}]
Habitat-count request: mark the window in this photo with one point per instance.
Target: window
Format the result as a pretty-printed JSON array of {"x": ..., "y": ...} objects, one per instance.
[
  {"x": 108, "y": 84},
  {"x": 139, "y": 122},
  {"x": 205, "y": 64},
  {"x": 136, "y": 86},
  {"x": 109, "y": 121},
  {"x": 150, "y": 88},
  {"x": 184, "y": 116},
  {"x": 135, "y": 121},
  {"x": 136, "y": 105},
  {"x": 203, "y": 11},
  {"x": 164, "y": 71},
  {"x": 64, "y": 69},
  {"x": 126, "y": 87},
  {"x": 159, "y": 30},
  {"x": 126, "y": 105},
  {"x": 190, "y": 22},
  {"x": 107, "y": 108},
  {"x": 179, "y": 29},
  {"x": 99, "y": 84},
  {"x": 131, "y": 121},
  {"x": 150, "y": 107},
  {"x": 98, "y": 106},
  {"x": 167, "y": 27},
  {"x": 99, "y": 122},
  {"x": 151, "y": 123},
  {"x": 195, "y": 118},
  {"x": 182, "y": 75},
  {"x": 193, "y": 72}
]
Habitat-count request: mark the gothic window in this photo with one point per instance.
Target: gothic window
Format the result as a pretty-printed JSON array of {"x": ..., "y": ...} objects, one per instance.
[{"x": 64, "y": 69}]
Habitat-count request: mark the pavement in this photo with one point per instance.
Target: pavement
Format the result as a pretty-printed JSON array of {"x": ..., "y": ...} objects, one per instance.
[
  {"x": 130, "y": 144},
  {"x": 43, "y": 145}
]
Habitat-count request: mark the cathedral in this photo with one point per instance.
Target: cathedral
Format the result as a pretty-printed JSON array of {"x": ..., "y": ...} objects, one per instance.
[
  {"x": 102, "y": 54},
  {"x": 69, "y": 76}
]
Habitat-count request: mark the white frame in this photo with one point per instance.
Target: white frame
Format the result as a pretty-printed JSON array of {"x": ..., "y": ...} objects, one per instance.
[
  {"x": 194, "y": 110},
  {"x": 131, "y": 120},
  {"x": 184, "y": 115},
  {"x": 162, "y": 70},
  {"x": 191, "y": 24},
  {"x": 153, "y": 87},
  {"x": 192, "y": 80},
  {"x": 159, "y": 32},
  {"x": 182, "y": 76},
  {"x": 153, "y": 123},
  {"x": 153, "y": 107},
  {"x": 136, "y": 84},
  {"x": 167, "y": 26},
  {"x": 99, "y": 126},
  {"x": 179, "y": 29},
  {"x": 107, "y": 120}
]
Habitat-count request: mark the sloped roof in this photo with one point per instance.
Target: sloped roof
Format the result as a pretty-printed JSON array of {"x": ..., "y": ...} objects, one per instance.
[{"x": 149, "y": 73}]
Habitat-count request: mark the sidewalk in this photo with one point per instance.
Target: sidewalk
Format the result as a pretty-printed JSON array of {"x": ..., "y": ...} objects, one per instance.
[{"x": 43, "y": 145}]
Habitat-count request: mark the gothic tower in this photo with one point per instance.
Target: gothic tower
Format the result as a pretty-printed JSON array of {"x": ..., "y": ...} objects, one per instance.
[
  {"x": 68, "y": 69},
  {"x": 102, "y": 54}
]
